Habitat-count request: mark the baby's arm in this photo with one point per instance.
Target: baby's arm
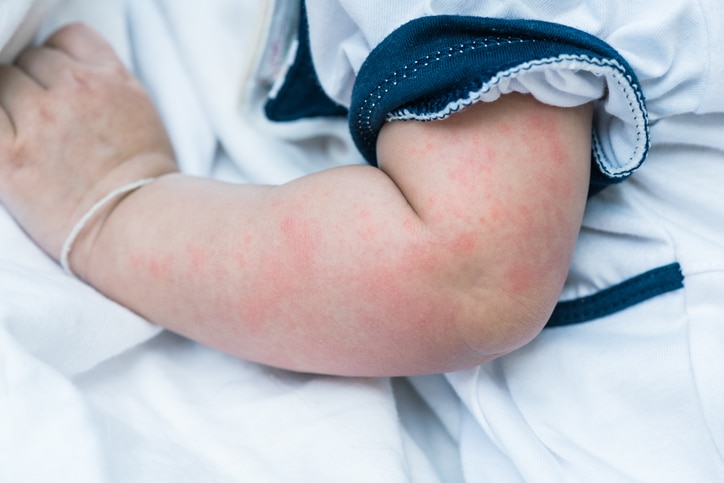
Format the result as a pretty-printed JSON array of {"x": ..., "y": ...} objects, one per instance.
[{"x": 452, "y": 253}]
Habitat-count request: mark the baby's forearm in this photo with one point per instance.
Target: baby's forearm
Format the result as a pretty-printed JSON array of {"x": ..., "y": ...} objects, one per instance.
[{"x": 327, "y": 273}]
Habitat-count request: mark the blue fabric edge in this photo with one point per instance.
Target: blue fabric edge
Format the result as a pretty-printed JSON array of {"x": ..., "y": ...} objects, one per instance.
[
  {"x": 301, "y": 95},
  {"x": 381, "y": 89},
  {"x": 618, "y": 297}
]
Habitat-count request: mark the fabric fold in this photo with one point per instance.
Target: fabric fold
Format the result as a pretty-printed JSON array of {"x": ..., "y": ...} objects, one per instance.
[{"x": 434, "y": 66}]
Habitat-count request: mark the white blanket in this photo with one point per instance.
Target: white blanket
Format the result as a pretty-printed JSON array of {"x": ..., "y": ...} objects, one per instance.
[{"x": 90, "y": 392}]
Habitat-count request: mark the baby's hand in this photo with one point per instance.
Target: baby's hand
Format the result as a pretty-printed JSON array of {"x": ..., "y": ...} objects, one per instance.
[{"x": 74, "y": 125}]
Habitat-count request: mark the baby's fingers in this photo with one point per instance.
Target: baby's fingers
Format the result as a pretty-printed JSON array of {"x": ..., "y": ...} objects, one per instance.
[
  {"x": 16, "y": 88},
  {"x": 82, "y": 43},
  {"x": 44, "y": 65}
]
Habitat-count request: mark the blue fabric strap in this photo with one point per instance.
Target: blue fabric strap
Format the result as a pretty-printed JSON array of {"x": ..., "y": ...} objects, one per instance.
[{"x": 619, "y": 297}]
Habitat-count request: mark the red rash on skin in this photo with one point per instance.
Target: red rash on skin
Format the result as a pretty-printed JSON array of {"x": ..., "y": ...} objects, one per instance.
[
  {"x": 409, "y": 225},
  {"x": 241, "y": 260},
  {"x": 137, "y": 262},
  {"x": 254, "y": 311},
  {"x": 478, "y": 164},
  {"x": 505, "y": 129},
  {"x": 197, "y": 257},
  {"x": 159, "y": 267},
  {"x": 541, "y": 131},
  {"x": 465, "y": 243},
  {"x": 472, "y": 165},
  {"x": 291, "y": 271},
  {"x": 366, "y": 231},
  {"x": 538, "y": 130},
  {"x": 301, "y": 238},
  {"x": 283, "y": 269},
  {"x": 240, "y": 256},
  {"x": 470, "y": 219},
  {"x": 517, "y": 219}
]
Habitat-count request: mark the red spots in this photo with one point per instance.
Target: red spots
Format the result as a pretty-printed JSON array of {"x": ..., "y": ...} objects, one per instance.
[
  {"x": 137, "y": 262},
  {"x": 505, "y": 129},
  {"x": 467, "y": 168},
  {"x": 465, "y": 243},
  {"x": 240, "y": 254},
  {"x": 367, "y": 232},
  {"x": 409, "y": 225},
  {"x": 240, "y": 259},
  {"x": 197, "y": 257},
  {"x": 288, "y": 227},
  {"x": 493, "y": 214},
  {"x": 518, "y": 278},
  {"x": 459, "y": 173},
  {"x": 451, "y": 205},
  {"x": 544, "y": 137},
  {"x": 160, "y": 267},
  {"x": 301, "y": 238},
  {"x": 283, "y": 270},
  {"x": 157, "y": 267}
]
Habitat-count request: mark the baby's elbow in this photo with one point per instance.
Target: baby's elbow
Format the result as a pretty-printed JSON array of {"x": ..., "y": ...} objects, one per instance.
[
  {"x": 474, "y": 308},
  {"x": 497, "y": 322},
  {"x": 492, "y": 322}
]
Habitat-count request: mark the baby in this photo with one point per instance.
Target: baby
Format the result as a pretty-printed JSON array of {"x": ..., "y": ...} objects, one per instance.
[{"x": 451, "y": 253}]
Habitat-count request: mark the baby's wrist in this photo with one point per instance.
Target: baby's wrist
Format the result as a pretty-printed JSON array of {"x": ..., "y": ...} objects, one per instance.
[
  {"x": 105, "y": 204},
  {"x": 101, "y": 203}
]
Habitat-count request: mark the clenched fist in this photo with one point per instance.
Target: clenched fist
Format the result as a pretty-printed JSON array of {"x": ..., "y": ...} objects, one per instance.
[{"x": 74, "y": 126}]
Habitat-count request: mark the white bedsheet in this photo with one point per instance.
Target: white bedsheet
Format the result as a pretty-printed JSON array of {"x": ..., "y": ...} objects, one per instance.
[{"x": 90, "y": 392}]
